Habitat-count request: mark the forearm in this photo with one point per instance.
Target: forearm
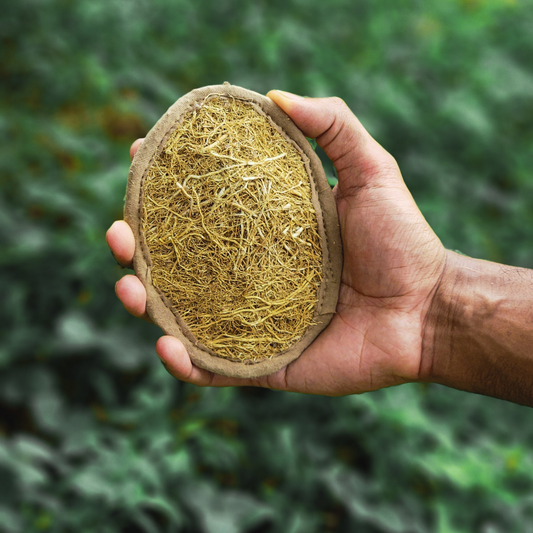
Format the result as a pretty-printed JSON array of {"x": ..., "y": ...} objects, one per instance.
[{"x": 478, "y": 334}]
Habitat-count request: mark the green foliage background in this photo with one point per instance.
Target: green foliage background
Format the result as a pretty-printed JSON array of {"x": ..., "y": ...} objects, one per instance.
[{"x": 94, "y": 435}]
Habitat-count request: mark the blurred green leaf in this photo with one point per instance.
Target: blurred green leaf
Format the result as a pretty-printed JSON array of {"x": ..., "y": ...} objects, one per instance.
[{"x": 94, "y": 434}]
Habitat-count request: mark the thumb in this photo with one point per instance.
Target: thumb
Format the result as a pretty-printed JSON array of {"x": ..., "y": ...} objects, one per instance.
[{"x": 358, "y": 158}]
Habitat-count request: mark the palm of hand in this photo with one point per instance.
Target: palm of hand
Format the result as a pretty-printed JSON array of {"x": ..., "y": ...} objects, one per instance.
[{"x": 392, "y": 265}]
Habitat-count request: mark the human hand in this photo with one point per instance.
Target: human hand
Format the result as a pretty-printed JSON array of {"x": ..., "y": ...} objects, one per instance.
[{"x": 392, "y": 266}]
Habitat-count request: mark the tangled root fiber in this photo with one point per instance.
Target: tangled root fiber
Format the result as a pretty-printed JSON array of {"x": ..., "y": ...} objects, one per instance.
[{"x": 231, "y": 231}]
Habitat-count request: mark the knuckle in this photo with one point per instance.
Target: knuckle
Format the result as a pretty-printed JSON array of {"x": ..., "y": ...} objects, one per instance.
[
  {"x": 387, "y": 161},
  {"x": 338, "y": 102},
  {"x": 383, "y": 168},
  {"x": 379, "y": 162}
]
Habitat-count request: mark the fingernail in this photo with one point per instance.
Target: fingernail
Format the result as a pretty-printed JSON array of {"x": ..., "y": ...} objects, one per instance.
[{"x": 292, "y": 96}]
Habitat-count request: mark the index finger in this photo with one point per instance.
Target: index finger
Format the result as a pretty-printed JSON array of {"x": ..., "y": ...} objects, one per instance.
[{"x": 135, "y": 147}]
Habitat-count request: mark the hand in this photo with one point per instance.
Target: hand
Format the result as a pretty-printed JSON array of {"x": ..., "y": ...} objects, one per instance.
[{"x": 393, "y": 263}]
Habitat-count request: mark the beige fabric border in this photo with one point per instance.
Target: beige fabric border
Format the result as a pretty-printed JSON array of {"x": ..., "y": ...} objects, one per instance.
[{"x": 159, "y": 308}]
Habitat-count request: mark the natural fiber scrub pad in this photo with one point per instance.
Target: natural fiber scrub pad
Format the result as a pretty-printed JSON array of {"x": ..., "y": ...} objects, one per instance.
[{"x": 236, "y": 231}]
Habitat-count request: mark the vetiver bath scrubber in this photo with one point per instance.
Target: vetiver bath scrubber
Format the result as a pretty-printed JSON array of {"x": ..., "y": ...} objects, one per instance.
[{"x": 236, "y": 231}]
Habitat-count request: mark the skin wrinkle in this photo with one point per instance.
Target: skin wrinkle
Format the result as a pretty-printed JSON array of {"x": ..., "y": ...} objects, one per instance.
[
  {"x": 366, "y": 341},
  {"x": 360, "y": 172},
  {"x": 327, "y": 132},
  {"x": 451, "y": 319},
  {"x": 371, "y": 169},
  {"x": 352, "y": 137},
  {"x": 432, "y": 309},
  {"x": 376, "y": 171},
  {"x": 306, "y": 385},
  {"x": 425, "y": 352},
  {"x": 284, "y": 376},
  {"x": 373, "y": 301},
  {"x": 210, "y": 377},
  {"x": 362, "y": 350},
  {"x": 334, "y": 132}
]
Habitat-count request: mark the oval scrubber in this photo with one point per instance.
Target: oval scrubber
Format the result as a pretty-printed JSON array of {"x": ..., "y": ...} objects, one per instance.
[{"x": 236, "y": 231}]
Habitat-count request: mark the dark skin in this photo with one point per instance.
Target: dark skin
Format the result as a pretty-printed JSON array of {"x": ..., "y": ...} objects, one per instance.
[
  {"x": 479, "y": 333},
  {"x": 408, "y": 309}
]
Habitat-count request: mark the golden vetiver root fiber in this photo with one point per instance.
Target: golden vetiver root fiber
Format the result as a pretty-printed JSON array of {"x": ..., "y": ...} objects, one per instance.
[
  {"x": 237, "y": 238},
  {"x": 231, "y": 231}
]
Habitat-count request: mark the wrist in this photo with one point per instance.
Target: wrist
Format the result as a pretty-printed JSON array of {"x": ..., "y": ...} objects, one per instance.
[
  {"x": 438, "y": 330},
  {"x": 478, "y": 332}
]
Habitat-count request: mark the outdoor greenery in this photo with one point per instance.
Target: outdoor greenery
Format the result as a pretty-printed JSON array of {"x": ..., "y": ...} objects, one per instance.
[{"x": 95, "y": 436}]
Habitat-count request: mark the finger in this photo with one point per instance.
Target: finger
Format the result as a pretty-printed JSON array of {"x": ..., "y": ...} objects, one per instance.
[
  {"x": 120, "y": 239},
  {"x": 357, "y": 157},
  {"x": 174, "y": 356},
  {"x": 132, "y": 294},
  {"x": 335, "y": 191},
  {"x": 135, "y": 147}
]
